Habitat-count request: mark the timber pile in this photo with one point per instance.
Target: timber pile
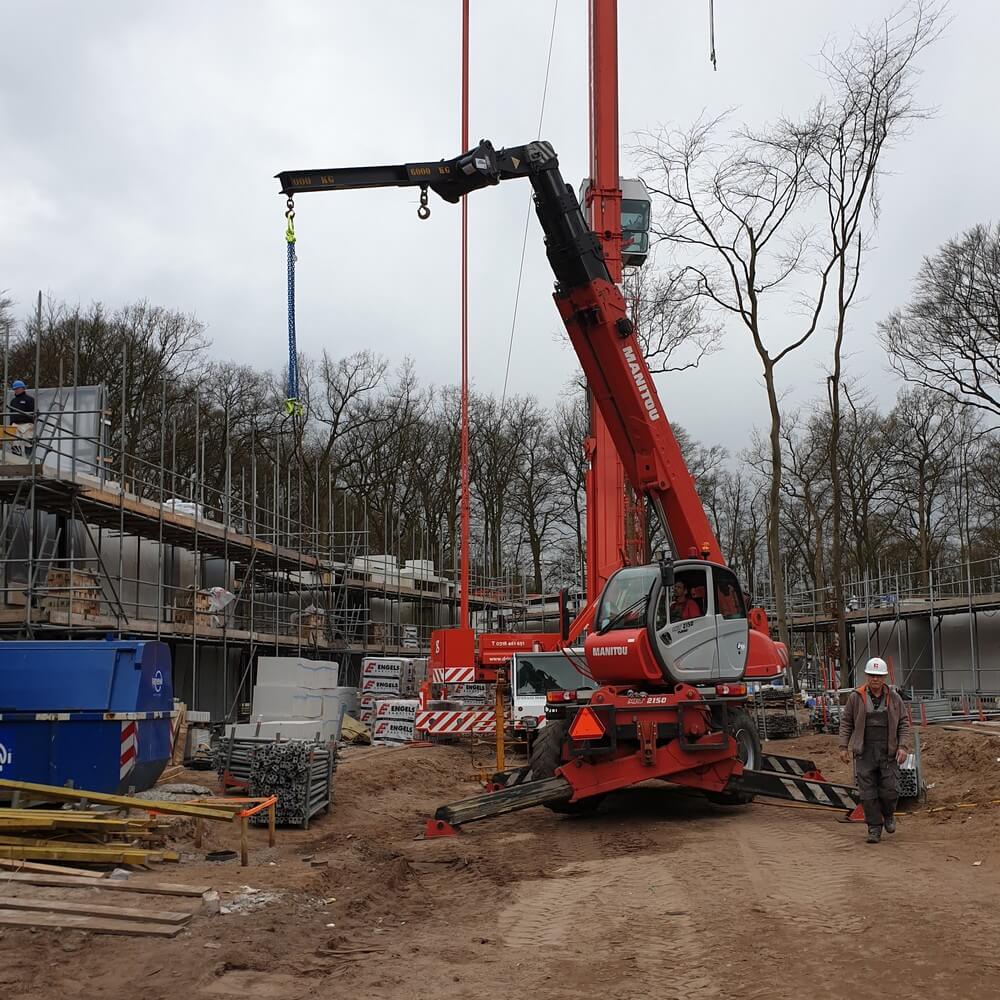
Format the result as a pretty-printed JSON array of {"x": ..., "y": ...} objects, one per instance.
[
  {"x": 92, "y": 828},
  {"x": 299, "y": 772},
  {"x": 78, "y": 907}
]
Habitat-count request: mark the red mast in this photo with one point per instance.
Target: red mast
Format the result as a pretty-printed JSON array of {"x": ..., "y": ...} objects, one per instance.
[
  {"x": 464, "y": 508},
  {"x": 605, "y": 482}
]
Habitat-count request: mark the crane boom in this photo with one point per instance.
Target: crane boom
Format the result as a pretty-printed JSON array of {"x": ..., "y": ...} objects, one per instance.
[{"x": 592, "y": 308}]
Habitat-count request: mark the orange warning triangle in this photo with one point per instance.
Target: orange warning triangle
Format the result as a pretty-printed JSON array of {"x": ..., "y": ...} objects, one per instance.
[{"x": 586, "y": 726}]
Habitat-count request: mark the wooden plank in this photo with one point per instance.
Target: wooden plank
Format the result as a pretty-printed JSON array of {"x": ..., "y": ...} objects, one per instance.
[
  {"x": 96, "y": 854},
  {"x": 96, "y": 925},
  {"x": 110, "y": 884},
  {"x": 40, "y": 868},
  {"x": 69, "y": 823},
  {"x": 95, "y": 910},
  {"x": 60, "y": 793}
]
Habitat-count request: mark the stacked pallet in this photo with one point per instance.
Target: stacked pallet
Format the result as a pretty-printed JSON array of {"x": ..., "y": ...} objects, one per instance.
[
  {"x": 77, "y": 592},
  {"x": 778, "y": 726},
  {"x": 193, "y": 605},
  {"x": 299, "y": 772}
]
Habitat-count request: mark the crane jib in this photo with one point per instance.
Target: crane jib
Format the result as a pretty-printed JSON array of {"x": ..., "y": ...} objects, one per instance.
[{"x": 591, "y": 305}]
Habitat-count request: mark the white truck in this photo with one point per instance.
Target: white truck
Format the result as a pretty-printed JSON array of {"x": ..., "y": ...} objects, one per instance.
[{"x": 533, "y": 675}]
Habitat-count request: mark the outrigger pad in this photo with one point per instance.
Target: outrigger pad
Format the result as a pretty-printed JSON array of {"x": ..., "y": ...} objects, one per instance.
[{"x": 439, "y": 828}]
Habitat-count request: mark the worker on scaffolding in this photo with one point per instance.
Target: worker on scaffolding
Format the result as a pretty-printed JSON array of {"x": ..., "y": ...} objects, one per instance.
[
  {"x": 21, "y": 414},
  {"x": 875, "y": 730},
  {"x": 22, "y": 406}
]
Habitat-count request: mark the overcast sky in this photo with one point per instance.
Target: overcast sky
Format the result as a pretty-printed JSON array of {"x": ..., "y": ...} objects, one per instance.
[{"x": 140, "y": 142}]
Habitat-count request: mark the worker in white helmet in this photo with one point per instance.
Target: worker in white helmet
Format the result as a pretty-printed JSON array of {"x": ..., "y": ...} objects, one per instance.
[{"x": 875, "y": 731}]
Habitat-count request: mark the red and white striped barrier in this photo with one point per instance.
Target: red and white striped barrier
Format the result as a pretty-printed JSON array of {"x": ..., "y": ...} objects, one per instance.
[
  {"x": 453, "y": 722},
  {"x": 129, "y": 749},
  {"x": 453, "y": 675}
]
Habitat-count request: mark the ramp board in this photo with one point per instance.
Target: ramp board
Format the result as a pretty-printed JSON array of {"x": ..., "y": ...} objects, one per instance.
[
  {"x": 776, "y": 785},
  {"x": 523, "y": 796},
  {"x": 788, "y": 765}
]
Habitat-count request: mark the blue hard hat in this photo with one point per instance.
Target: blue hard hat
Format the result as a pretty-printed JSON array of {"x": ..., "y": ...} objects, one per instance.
[{"x": 18, "y": 384}]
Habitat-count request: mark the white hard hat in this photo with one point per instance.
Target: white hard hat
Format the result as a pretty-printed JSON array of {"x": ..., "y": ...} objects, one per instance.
[{"x": 877, "y": 667}]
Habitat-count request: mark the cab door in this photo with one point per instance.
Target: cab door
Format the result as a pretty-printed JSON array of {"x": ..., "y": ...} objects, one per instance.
[
  {"x": 730, "y": 623},
  {"x": 685, "y": 630}
]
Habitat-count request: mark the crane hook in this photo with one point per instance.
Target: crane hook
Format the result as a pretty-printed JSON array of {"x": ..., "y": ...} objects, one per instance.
[{"x": 423, "y": 212}]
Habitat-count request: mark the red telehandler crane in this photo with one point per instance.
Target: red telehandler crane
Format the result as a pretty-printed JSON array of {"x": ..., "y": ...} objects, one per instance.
[{"x": 672, "y": 698}]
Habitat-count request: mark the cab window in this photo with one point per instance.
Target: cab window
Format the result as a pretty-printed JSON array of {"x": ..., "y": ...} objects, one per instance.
[
  {"x": 729, "y": 600},
  {"x": 689, "y": 597},
  {"x": 623, "y": 603}
]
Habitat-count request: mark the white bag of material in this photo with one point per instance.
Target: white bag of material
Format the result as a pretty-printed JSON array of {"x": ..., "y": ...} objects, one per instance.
[
  {"x": 380, "y": 685},
  {"x": 218, "y": 600},
  {"x": 297, "y": 672},
  {"x": 300, "y": 616},
  {"x": 372, "y": 666},
  {"x": 185, "y": 507},
  {"x": 281, "y": 701},
  {"x": 392, "y": 731},
  {"x": 395, "y": 708}
]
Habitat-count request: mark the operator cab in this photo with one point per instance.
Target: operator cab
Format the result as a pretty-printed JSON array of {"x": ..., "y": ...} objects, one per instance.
[
  {"x": 689, "y": 626},
  {"x": 636, "y": 218}
]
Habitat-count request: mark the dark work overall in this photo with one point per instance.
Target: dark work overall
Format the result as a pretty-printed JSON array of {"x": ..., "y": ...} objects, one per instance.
[{"x": 877, "y": 772}]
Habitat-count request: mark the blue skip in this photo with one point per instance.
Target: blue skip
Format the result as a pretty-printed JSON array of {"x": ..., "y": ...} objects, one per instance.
[{"x": 93, "y": 714}]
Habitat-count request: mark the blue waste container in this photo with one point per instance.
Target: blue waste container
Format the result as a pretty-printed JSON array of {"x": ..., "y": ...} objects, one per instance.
[{"x": 96, "y": 714}]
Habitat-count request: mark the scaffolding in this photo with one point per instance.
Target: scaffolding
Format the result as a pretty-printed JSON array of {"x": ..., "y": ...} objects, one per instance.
[
  {"x": 939, "y": 627},
  {"x": 96, "y": 539}
]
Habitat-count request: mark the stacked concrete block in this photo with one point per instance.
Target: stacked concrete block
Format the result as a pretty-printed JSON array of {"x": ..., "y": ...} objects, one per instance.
[{"x": 298, "y": 698}]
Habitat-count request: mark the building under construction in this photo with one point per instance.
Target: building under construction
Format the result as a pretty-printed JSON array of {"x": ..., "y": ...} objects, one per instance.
[{"x": 95, "y": 540}]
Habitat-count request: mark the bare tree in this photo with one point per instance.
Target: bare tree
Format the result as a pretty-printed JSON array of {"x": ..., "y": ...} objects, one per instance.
[
  {"x": 669, "y": 316},
  {"x": 928, "y": 426},
  {"x": 805, "y": 486},
  {"x": 948, "y": 338},
  {"x": 534, "y": 480},
  {"x": 870, "y": 107},
  {"x": 569, "y": 466},
  {"x": 735, "y": 213}
]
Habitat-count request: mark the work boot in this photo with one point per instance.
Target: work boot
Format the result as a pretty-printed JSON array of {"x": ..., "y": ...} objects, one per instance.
[
  {"x": 890, "y": 824},
  {"x": 874, "y": 834}
]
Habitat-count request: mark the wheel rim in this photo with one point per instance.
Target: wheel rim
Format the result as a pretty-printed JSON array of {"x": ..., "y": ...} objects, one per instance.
[{"x": 746, "y": 749}]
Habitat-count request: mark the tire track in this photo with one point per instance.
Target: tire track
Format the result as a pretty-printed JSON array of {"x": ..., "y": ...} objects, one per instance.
[{"x": 629, "y": 909}]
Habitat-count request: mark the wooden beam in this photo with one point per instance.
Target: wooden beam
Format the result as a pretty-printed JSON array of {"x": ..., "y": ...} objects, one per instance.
[
  {"x": 95, "y": 854},
  {"x": 96, "y": 925},
  {"x": 59, "y": 793},
  {"x": 39, "y": 868},
  {"x": 110, "y": 884},
  {"x": 95, "y": 910}
]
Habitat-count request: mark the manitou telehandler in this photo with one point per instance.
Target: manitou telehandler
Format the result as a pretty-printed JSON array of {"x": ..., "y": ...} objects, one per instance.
[{"x": 671, "y": 695}]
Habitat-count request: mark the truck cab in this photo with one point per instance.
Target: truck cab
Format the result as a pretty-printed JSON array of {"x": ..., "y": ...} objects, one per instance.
[
  {"x": 658, "y": 628},
  {"x": 534, "y": 675}
]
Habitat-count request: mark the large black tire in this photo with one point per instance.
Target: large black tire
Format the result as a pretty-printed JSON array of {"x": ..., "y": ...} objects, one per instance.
[
  {"x": 546, "y": 758},
  {"x": 748, "y": 749}
]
